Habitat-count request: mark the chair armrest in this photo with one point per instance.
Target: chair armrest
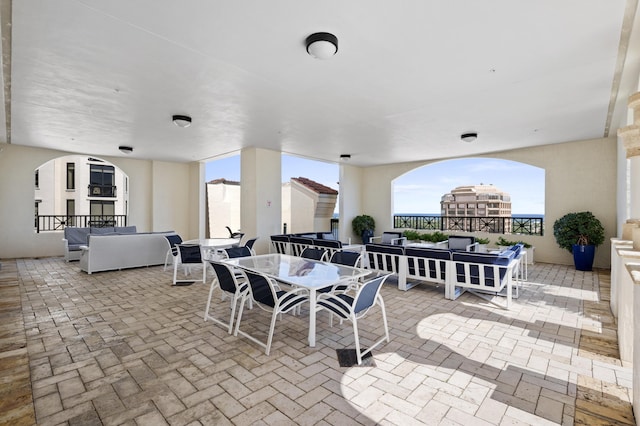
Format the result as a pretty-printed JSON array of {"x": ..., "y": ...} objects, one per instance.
[
  {"x": 402, "y": 239},
  {"x": 473, "y": 247},
  {"x": 379, "y": 237},
  {"x": 442, "y": 244}
]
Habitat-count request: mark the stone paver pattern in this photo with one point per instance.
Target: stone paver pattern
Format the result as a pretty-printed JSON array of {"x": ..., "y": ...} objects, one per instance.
[{"x": 127, "y": 348}]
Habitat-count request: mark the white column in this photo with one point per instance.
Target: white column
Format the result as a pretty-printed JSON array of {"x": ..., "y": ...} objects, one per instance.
[{"x": 261, "y": 195}]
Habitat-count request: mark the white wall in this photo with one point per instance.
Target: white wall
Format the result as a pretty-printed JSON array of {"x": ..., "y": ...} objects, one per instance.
[{"x": 159, "y": 199}]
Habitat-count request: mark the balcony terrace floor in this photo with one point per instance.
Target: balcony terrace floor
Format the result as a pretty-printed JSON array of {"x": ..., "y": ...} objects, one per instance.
[{"x": 125, "y": 347}]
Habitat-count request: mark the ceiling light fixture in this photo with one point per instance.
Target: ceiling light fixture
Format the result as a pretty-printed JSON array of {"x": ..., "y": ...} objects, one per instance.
[
  {"x": 322, "y": 45},
  {"x": 345, "y": 157},
  {"x": 469, "y": 137},
  {"x": 182, "y": 120},
  {"x": 125, "y": 149}
]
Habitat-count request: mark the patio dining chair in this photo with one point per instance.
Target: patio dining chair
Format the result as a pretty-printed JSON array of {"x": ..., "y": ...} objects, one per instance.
[
  {"x": 231, "y": 285},
  {"x": 249, "y": 244},
  {"x": 355, "y": 308},
  {"x": 314, "y": 253},
  {"x": 173, "y": 240},
  {"x": 188, "y": 255},
  {"x": 266, "y": 293}
]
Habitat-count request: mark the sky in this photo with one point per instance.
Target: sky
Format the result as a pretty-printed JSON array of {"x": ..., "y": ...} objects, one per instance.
[{"x": 419, "y": 191}]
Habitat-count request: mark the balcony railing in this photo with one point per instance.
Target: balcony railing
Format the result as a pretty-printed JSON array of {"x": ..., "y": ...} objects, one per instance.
[
  {"x": 59, "y": 222},
  {"x": 102, "y": 191},
  {"x": 491, "y": 224}
]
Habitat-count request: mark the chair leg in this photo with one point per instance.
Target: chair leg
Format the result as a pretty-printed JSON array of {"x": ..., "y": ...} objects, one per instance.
[
  {"x": 242, "y": 301},
  {"x": 175, "y": 272},
  {"x": 384, "y": 317},
  {"x": 234, "y": 302},
  {"x": 206, "y": 310},
  {"x": 357, "y": 340},
  {"x": 274, "y": 317}
]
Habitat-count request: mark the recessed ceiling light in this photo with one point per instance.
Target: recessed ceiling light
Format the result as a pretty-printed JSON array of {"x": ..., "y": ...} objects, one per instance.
[
  {"x": 345, "y": 157},
  {"x": 125, "y": 149}
]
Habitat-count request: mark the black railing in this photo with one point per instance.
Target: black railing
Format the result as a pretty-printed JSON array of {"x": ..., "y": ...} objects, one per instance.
[
  {"x": 102, "y": 191},
  {"x": 492, "y": 224},
  {"x": 59, "y": 222}
]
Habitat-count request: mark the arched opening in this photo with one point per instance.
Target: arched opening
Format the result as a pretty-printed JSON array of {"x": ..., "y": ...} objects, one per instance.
[
  {"x": 471, "y": 194},
  {"x": 82, "y": 191}
]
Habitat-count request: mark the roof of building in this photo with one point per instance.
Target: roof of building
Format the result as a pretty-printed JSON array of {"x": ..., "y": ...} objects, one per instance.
[
  {"x": 315, "y": 186},
  {"x": 223, "y": 181}
]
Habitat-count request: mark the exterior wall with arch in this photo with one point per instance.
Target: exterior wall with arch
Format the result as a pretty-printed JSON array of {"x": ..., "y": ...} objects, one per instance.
[
  {"x": 579, "y": 176},
  {"x": 163, "y": 196}
]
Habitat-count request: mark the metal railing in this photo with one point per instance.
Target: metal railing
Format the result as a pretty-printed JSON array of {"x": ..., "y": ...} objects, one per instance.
[
  {"x": 102, "y": 191},
  {"x": 491, "y": 224},
  {"x": 59, "y": 222}
]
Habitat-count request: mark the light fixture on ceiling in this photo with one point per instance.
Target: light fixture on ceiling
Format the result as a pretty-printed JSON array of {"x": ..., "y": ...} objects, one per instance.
[
  {"x": 322, "y": 45},
  {"x": 345, "y": 157},
  {"x": 125, "y": 149},
  {"x": 469, "y": 137},
  {"x": 182, "y": 120}
]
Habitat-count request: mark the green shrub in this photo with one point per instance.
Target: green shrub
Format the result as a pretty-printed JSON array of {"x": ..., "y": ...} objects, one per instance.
[
  {"x": 502, "y": 242},
  {"x": 581, "y": 228}
]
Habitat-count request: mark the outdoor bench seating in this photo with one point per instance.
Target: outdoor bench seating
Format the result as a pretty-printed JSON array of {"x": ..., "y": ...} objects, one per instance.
[{"x": 458, "y": 271}]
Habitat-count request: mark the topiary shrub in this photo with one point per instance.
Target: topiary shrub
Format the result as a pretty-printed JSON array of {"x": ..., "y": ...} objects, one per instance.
[{"x": 581, "y": 228}]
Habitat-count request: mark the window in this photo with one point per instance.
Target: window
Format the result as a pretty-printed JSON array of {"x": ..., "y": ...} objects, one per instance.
[
  {"x": 102, "y": 181},
  {"x": 71, "y": 212},
  {"x": 71, "y": 175},
  {"x": 102, "y": 213},
  {"x": 37, "y": 179}
]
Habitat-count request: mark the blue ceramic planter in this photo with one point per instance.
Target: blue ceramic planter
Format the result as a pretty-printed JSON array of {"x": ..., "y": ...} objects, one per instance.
[{"x": 583, "y": 257}]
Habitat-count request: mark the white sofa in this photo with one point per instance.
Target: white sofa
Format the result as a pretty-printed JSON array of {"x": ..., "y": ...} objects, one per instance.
[{"x": 113, "y": 252}]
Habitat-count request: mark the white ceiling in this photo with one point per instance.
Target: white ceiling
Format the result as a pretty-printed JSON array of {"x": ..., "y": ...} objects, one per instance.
[{"x": 410, "y": 76}]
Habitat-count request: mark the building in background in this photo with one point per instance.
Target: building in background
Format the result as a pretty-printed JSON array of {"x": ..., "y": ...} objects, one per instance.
[
  {"x": 76, "y": 186},
  {"x": 486, "y": 204},
  {"x": 223, "y": 207},
  {"x": 307, "y": 206}
]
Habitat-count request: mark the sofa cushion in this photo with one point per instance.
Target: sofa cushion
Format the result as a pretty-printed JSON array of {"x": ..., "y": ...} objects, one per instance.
[
  {"x": 76, "y": 237},
  {"x": 126, "y": 229},
  {"x": 460, "y": 242},
  {"x": 102, "y": 231}
]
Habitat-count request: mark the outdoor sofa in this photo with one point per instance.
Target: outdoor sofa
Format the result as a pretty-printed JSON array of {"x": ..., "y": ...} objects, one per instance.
[
  {"x": 76, "y": 237},
  {"x": 120, "y": 251}
]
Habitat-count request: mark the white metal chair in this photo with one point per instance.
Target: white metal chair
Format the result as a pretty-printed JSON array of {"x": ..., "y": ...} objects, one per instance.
[
  {"x": 173, "y": 250},
  {"x": 231, "y": 285},
  {"x": 188, "y": 255},
  {"x": 356, "y": 307},
  {"x": 266, "y": 293}
]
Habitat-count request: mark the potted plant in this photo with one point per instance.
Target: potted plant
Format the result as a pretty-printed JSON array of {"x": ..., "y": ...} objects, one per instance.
[
  {"x": 579, "y": 233},
  {"x": 363, "y": 225}
]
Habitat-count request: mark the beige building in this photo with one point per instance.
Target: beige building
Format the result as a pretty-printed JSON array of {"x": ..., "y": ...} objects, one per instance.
[
  {"x": 307, "y": 206},
  {"x": 477, "y": 202}
]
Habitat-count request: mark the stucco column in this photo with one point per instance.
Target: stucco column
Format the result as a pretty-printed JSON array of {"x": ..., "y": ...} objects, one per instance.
[
  {"x": 630, "y": 136},
  {"x": 261, "y": 195}
]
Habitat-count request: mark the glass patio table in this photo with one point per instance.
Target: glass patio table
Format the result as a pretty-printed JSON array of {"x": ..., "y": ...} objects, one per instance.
[
  {"x": 301, "y": 272},
  {"x": 211, "y": 246}
]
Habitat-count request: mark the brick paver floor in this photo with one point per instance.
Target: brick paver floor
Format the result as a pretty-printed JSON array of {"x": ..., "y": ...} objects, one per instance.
[{"x": 125, "y": 347}]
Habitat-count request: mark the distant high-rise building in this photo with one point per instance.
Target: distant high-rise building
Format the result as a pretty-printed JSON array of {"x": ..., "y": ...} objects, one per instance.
[{"x": 477, "y": 201}]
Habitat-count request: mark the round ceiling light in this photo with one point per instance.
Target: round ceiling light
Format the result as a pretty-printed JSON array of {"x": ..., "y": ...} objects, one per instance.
[
  {"x": 322, "y": 45},
  {"x": 125, "y": 149},
  {"x": 469, "y": 137},
  {"x": 181, "y": 120}
]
